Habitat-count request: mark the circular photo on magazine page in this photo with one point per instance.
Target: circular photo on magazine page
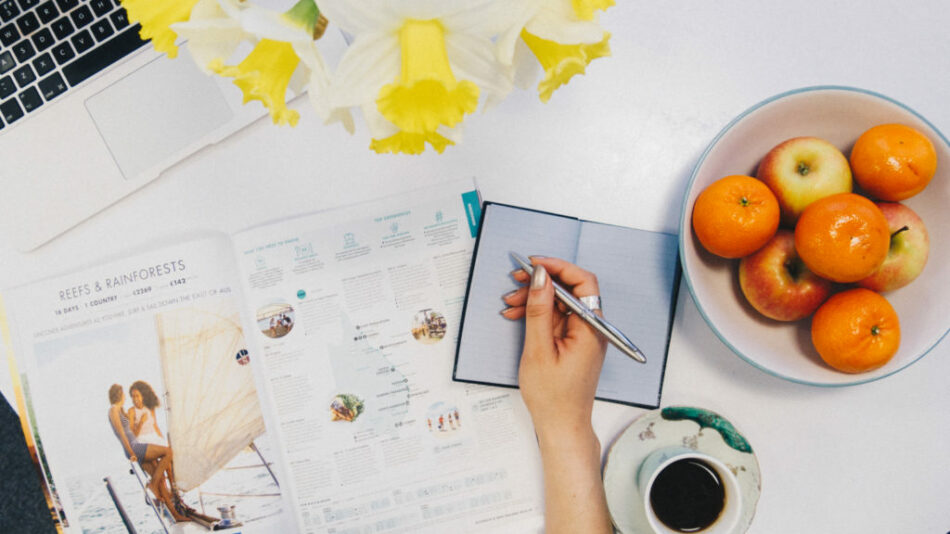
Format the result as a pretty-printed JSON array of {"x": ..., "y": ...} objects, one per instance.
[
  {"x": 428, "y": 326},
  {"x": 276, "y": 319}
]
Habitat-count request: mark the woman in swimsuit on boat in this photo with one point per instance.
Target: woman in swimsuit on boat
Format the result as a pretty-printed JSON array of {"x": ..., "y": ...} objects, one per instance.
[
  {"x": 138, "y": 451},
  {"x": 142, "y": 414}
]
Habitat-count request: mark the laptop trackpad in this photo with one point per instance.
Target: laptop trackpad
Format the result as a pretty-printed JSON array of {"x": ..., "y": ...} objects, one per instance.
[{"x": 151, "y": 115}]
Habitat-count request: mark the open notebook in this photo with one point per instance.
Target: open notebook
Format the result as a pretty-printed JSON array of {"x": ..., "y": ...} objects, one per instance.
[{"x": 638, "y": 273}]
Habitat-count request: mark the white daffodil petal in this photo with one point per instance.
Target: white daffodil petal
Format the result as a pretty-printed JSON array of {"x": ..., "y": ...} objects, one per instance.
[
  {"x": 357, "y": 17},
  {"x": 369, "y": 63},
  {"x": 271, "y": 25},
  {"x": 554, "y": 25},
  {"x": 319, "y": 83},
  {"x": 526, "y": 66},
  {"x": 211, "y": 33},
  {"x": 474, "y": 59}
]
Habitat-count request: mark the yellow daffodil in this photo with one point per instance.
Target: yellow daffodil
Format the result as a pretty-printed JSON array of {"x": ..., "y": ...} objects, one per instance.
[
  {"x": 584, "y": 9},
  {"x": 421, "y": 65},
  {"x": 264, "y": 75},
  {"x": 156, "y": 18},
  {"x": 563, "y": 37},
  {"x": 561, "y": 62},
  {"x": 282, "y": 53}
]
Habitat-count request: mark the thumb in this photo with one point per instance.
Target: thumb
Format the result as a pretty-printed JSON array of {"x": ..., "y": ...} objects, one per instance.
[{"x": 539, "y": 315}]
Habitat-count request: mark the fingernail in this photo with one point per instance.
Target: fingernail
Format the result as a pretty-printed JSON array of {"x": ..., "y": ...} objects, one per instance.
[
  {"x": 504, "y": 311},
  {"x": 539, "y": 277},
  {"x": 536, "y": 257},
  {"x": 509, "y": 294}
]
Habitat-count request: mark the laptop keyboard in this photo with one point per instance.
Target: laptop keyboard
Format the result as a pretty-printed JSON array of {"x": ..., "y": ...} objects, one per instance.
[{"x": 48, "y": 46}]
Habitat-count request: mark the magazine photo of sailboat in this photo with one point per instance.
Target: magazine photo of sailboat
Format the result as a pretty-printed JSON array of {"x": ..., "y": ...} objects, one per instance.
[{"x": 189, "y": 455}]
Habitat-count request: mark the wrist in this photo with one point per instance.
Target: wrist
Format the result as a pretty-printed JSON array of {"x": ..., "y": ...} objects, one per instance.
[{"x": 574, "y": 440}]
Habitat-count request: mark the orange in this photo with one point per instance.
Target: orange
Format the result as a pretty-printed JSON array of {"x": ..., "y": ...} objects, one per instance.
[
  {"x": 842, "y": 237},
  {"x": 893, "y": 161},
  {"x": 856, "y": 331},
  {"x": 735, "y": 216}
]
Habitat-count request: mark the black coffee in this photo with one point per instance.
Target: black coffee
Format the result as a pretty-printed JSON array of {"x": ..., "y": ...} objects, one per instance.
[{"x": 687, "y": 496}]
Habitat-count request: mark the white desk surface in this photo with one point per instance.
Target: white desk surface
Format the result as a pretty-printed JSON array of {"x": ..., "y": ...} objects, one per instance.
[{"x": 617, "y": 145}]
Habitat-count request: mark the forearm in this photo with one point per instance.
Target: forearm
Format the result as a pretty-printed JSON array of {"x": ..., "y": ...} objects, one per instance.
[{"x": 574, "y": 492}]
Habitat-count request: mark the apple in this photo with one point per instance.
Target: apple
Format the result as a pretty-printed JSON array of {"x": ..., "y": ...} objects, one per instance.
[
  {"x": 801, "y": 170},
  {"x": 777, "y": 283},
  {"x": 907, "y": 256}
]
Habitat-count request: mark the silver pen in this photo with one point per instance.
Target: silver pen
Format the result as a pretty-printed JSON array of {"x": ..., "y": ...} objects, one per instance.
[{"x": 613, "y": 335}]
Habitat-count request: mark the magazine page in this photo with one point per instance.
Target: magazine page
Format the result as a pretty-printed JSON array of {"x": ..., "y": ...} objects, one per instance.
[
  {"x": 138, "y": 405},
  {"x": 357, "y": 312}
]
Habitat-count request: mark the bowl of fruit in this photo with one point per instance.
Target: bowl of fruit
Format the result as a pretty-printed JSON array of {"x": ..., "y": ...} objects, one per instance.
[{"x": 811, "y": 237}]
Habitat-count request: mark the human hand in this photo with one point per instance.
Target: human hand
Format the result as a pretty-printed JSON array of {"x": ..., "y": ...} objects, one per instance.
[
  {"x": 133, "y": 458},
  {"x": 562, "y": 355}
]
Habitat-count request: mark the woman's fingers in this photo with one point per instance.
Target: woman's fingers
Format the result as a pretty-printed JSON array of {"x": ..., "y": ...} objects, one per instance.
[
  {"x": 539, "y": 313},
  {"x": 517, "y": 297},
  {"x": 582, "y": 283}
]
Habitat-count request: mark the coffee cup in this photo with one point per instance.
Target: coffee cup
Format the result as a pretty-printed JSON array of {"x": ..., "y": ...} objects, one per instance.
[{"x": 684, "y": 490}]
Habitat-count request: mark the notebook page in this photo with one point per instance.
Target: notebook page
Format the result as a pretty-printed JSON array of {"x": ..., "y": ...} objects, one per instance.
[
  {"x": 637, "y": 272},
  {"x": 490, "y": 345}
]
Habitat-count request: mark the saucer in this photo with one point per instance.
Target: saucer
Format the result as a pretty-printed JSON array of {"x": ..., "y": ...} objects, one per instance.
[{"x": 696, "y": 428}]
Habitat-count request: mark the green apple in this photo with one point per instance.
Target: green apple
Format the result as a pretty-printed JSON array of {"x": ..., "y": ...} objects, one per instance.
[
  {"x": 802, "y": 170},
  {"x": 910, "y": 246}
]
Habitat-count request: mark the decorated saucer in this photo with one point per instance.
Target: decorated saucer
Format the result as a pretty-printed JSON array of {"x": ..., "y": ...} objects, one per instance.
[{"x": 696, "y": 428}]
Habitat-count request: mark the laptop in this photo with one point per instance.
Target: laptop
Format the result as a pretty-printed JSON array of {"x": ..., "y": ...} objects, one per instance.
[{"x": 89, "y": 113}]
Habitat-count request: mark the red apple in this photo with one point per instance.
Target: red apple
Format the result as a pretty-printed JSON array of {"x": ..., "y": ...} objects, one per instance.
[
  {"x": 801, "y": 170},
  {"x": 776, "y": 282},
  {"x": 907, "y": 256}
]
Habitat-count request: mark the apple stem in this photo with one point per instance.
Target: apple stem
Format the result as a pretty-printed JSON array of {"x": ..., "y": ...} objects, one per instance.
[
  {"x": 803, "y": 168},
  {"x": 903, "y": 229}
]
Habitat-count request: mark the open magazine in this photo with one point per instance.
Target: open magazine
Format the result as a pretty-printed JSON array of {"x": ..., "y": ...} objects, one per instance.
[{"x": 297, "y": 375}]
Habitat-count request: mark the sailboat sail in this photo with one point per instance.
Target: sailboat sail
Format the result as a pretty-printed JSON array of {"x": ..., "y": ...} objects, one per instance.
[{"x": 213, "y": 410}]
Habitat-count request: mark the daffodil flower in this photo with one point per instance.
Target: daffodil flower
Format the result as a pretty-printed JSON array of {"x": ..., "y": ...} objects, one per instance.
[
  {"x": 156, "y": 18},
  {"x": 563, "y": 37},
  {"x": 283, "y": 54},
  {"x": 418, "y": 67}
]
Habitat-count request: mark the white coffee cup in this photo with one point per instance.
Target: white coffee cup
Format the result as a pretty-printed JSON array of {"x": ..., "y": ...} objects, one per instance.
[{"x": 658, "y": 460}]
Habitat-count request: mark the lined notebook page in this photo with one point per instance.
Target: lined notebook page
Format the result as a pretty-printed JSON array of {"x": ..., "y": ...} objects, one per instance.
[
  {"x": 637, "y": 272},
  {"x": 490, "y": 345}
]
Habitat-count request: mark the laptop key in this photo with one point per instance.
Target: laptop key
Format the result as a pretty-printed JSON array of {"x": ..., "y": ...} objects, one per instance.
[
  {"x": 52, "y": 86},
  {"x": 25, "y": 5},
  {"x": 81, "y": 16},
  {"x": 101, "y": 7},
  {"x": 28, "y": 23},
  {"x": 31, "y": 99},
  {"x": 104, "y": 55},
  {"x": 7, "y": 87},
  {"x": 23, "y": 50},
  {"x": 119, "y": 19},
  {"x": 47, "y": 12},
  {"x": 8, "y": 10},
  {"x": 43, "y": 64},
  {"x": 102, "y": 30},
  {"x": 11, "y": 110},
  {"x": 24, "y": 75},
  {"x": 62, "y": 28},
  {"x": 42, "y": 39},
  {"x": 6, "y": 61},
  {"x": 66, "y": 5},
  {"x": 82, "y": 41},
  {"x": 63, "y": 52},
  {"x": 8, "y": 35}
]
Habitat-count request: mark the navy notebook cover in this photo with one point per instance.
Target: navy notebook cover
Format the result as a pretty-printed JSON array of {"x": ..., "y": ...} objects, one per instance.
[{"x": 638, "y": 272}]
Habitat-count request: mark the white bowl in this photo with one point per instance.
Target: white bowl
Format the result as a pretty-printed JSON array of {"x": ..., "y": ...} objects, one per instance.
[{"x": 840, "y": 115}]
